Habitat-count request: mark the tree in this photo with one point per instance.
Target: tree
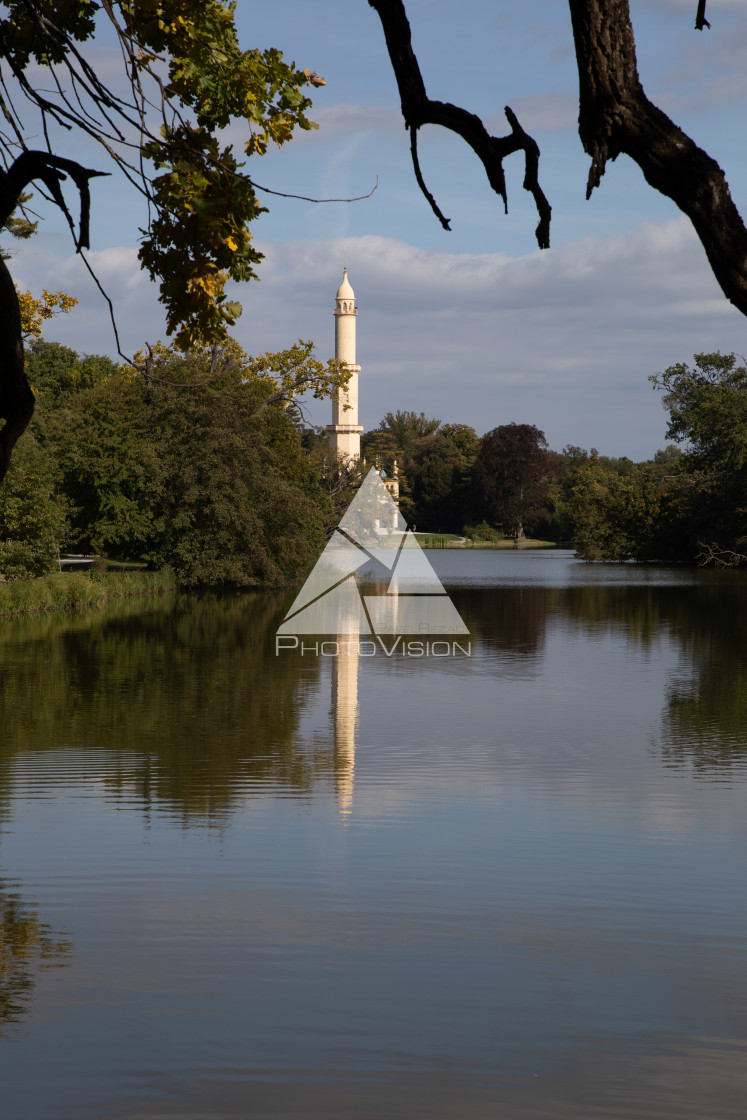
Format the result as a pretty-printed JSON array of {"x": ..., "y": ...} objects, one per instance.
[
  {"x": 404, "y": 427},
  {"x": 434, "y": 462},
  {"x": 55, "y": 371},
  {"x": 187, "y": 79},
  {"x": 615, "y": 117},
  {"x": 465, "y": 438},
  {"x": 32, "y": 513},
  {"x": 511, "y": 476},
  {"x": 671, "y": 454},
  {"x": 438, "y": 471},
  {"x": 707, "y": 409},
  {"x": 615, "y": 510},
  {"x": 186, "y": 72},
  {"x": 35, "y": 312},
  {"x": 197, "y": 465}
]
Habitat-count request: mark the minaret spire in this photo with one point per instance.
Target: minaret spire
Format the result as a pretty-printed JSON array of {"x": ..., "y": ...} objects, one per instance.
[{"x": 345, "y": 431}]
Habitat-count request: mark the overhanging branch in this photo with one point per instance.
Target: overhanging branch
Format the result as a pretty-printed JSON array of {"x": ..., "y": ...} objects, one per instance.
[
  {"x": 418, "y": 110},
  {"x": 16, "y": 397},
  {"x": 616, "y": 116},
  {"x": 700, "y": 17},
  {"x": 306, "y": 198},
  {"x": 52, "y": 171}
]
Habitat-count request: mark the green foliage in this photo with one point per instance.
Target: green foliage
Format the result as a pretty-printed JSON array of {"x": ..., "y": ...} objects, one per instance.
[
  {"x": 236, "y": 501},
  {"x": 64, "y": 590},
  {"x": 193, "y": 462},
  {"x": 434, "y": 463},
  {"x": 616, "y": 510},
  {"x": 109, "y": 457},
  {"x": 708, "y": 411},
  {"x": 404, "y": 427},
  {"x": 483, "y": 532},
  {"x": 197, "y": 465},
  {"x": 55, "y": 370},
  {"x": 438, "y": 474},
  {"x": 614, "y": 515},
  {"x": 32, "y": 513},
  {"x": 339, "y": 482},
  {"x": 670, "y": 454},
  {"x": 187, "y": 73},
  {"x": 465, "y": 439}
]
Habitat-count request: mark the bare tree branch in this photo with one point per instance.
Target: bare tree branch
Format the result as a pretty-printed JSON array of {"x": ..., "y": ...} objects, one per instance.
[
  {"x": 418, "y": 110},
  {"x": 305, "y": 198},
  {"x": 50, "y": 170},
  {"x": 719, "y": 557},
  {"x": 700, "y": 18},
  {"x": 421, "y": 181}
]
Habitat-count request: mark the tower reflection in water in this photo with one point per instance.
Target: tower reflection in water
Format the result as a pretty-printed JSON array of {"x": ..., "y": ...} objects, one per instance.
[{"x": 345, "y": 716}]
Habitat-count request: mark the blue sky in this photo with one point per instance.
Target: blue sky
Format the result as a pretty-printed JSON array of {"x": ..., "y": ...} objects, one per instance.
[{"x": 476, "y": 325}]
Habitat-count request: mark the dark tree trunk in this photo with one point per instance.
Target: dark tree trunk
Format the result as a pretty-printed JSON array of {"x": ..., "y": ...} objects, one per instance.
[
  {"x": 16, "y": 398},
  {"x": 616, "y": 116}
]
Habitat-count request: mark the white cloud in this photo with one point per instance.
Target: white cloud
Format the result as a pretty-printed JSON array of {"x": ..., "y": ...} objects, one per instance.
[
  {"x": 694, "y": 72},
  {"x": 563, "y": 339},
  {"x": 46, "y": 262}
]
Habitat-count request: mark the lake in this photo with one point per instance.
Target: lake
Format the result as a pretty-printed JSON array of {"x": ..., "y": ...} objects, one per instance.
[{"x": 507, "y": 882}]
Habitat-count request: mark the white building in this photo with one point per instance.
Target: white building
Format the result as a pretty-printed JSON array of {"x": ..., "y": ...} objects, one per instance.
[{"x": 345, "y": 431}]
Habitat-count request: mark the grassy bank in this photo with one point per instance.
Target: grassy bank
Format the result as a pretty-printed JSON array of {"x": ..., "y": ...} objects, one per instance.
[
  {"x": 450, "y": 540},
  {"x": 528, "y": 542},
  {"x": 65, "y": 590},
  {"x": 439, "y": 540}
]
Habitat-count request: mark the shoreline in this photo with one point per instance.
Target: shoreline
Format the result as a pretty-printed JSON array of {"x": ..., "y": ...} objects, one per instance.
[{"x": 72, "y": 590}]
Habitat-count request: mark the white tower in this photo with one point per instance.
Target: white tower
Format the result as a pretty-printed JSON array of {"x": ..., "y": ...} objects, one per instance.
[{"x": 345, "y": 431}]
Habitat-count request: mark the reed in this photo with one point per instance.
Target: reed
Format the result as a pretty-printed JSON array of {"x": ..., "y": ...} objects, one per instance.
[{"x": 68, "y": 590}]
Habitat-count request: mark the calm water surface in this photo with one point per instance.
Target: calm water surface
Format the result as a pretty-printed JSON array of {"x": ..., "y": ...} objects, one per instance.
[{"x": 511, "y": 884}]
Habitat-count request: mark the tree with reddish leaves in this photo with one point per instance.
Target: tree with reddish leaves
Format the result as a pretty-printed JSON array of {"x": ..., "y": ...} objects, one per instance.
[{"x": 511, "y": 477}]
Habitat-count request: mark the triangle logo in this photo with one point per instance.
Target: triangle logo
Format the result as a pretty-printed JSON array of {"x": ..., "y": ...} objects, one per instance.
[{"x": 373, "y": 533}]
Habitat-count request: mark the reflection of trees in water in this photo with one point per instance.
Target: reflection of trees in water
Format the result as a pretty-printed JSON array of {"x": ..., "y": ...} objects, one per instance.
[
  {"x": 638, "y": 611},
  {"x": 188, "y": 692},
  {"x": 705, "y": 719},
  {"x": 512, "y": 619},
  {"x": 187, "y": 695},
  {"x": 27, "y": 946}
]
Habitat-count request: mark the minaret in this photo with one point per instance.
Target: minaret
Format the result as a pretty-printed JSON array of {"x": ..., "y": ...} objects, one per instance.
[{"x": 345, "y": 431}]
